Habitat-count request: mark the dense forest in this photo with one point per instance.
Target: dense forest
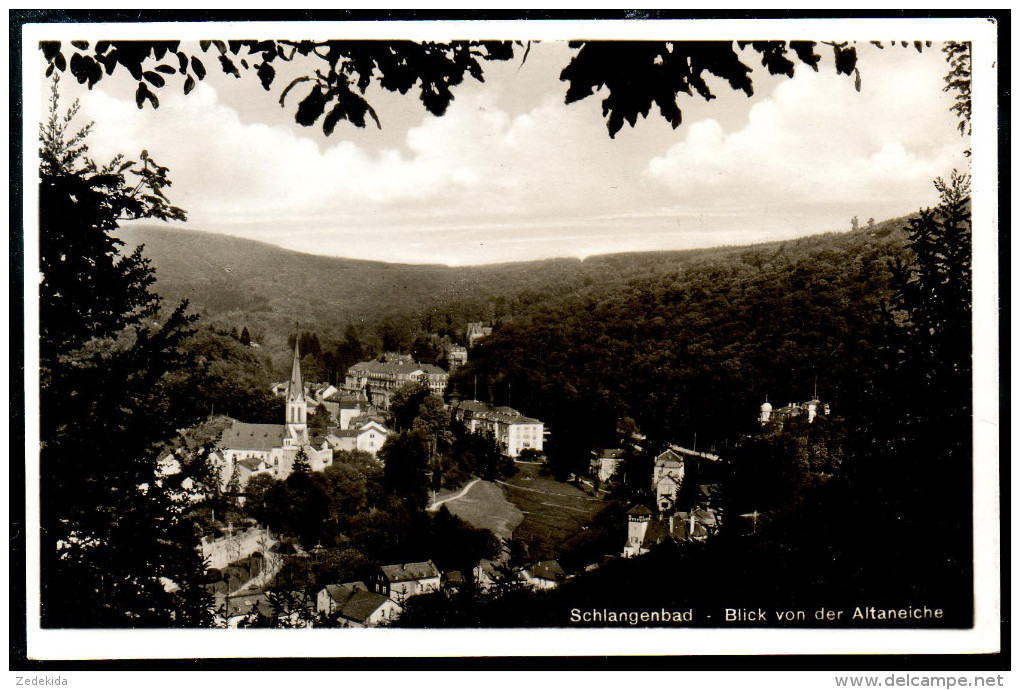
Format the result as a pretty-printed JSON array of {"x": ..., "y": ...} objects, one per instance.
[
  {"x": 691, "y": 352},
  {"x": 349, "y": 310}
]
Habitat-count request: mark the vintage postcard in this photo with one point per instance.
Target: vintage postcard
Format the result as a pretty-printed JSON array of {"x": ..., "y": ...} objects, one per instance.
[{"x": 510, "y": 338}]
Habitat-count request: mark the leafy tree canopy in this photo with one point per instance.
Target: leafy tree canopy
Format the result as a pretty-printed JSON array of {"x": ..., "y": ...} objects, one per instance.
[{"x": 635, "y": 75}]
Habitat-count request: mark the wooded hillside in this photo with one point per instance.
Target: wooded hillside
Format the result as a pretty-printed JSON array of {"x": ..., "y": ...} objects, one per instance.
[{"x": 696, "y": 346}]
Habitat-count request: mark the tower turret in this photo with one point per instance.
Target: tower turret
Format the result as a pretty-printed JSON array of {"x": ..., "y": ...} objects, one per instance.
[{"x": 638, "y": 518}]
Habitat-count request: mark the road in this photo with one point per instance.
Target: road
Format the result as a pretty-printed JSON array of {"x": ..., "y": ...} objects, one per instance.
[{"x": 435, "y": 506}]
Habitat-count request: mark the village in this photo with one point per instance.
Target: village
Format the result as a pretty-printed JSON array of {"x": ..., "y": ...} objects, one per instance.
[{"x": 246, "y": 559}]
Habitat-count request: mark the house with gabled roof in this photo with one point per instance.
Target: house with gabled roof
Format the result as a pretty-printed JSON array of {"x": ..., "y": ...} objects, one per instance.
[
  {"x": 645, "y": 531},
  {"x": 543, "y": 575},
  {"x": 476, "y": 330},
  {"x": 354, "y": 606},
  {"x": 369, "y": 437},
  {"x": 486, "y": 575},
  {"x": 667, "y": 478},
  {"x": 604, "y": 463},
  {"x": 402, "y": 581}
]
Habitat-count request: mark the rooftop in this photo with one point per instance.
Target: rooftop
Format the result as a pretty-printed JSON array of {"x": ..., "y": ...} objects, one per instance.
[
  {"x": 403, "y": 365},
  {"x": 361, "y": 605},
  {"x": 669, "y": 459},
  {"x": 694, "y": 453},
  {"x": 410, "y": 571},
  {"x": 245, "y": 436},
  {"x": 547, "y": 570}
]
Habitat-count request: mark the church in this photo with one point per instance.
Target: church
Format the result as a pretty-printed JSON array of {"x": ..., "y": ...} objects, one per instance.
[{"x": 248, "y": 449}]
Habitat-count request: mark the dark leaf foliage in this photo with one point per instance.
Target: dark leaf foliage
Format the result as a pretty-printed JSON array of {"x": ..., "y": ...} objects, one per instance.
[
  {"x": 635, "y": 75},
  {"x": 339, "y": 84},
  {"x": 958, "y": 82},
  {"x": 117, "y": 548}
]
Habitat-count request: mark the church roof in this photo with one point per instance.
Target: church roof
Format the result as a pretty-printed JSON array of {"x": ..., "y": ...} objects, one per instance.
[
  {"x": 639, "y": 510},
  {"x": 245, "y": 436}
]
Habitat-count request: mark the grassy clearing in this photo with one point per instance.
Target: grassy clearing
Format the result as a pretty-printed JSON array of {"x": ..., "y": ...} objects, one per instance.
[
  {"x": 484, "y": 506},
  {"x": 553, "y": 511}
]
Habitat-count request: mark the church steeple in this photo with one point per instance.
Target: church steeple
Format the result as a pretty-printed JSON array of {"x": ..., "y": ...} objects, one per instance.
[{"x": 297, "y": 411}]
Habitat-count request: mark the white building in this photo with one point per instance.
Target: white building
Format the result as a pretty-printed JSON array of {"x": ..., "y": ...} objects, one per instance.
[
  {"x": 456, "y": 356},
  {"x": 811, "y": 409},
  {"x": 639, "y": 518},
  {"x": 543, "y": 575},
  {"x": 476, "y": 330},
  {"x": 354, "y": 606},
  {"x": 403, "y": 581},
  {"x": 667, "y": 478},
  {"x": 511, "y": 430},
  {"x": 368, "y": 437},
  {"x": 379, "y": 379},
  {"x": 604, "y": 464}
]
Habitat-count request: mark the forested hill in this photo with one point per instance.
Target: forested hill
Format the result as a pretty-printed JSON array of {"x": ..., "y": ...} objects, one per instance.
[
  {"x": 236, "y": 282},
  {"x": 223, "y": 275},
  {"x": 678, "y": 340},
  {"x": 691, "y": 350}
]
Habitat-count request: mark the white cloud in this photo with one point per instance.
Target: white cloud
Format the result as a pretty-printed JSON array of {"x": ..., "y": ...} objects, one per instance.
[
  {"x": 474, "y": 160},
  {"x": 809, "y": 155},
  {"x": 817, "y": 142}
]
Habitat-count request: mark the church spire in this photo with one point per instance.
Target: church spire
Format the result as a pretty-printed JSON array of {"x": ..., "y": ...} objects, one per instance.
[
  {"x": 297, "y": 411},
  {"x": 296, "y": 387}
]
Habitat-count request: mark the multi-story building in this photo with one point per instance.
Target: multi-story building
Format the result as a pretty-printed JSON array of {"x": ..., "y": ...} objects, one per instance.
[
  {"x": 476, "y": 330},
  {"x": 402, "y": 581},
  {"x": 380, "y": 378},
  {"x": 511, "y": 430},
  {"x": 456, "y": 356}
]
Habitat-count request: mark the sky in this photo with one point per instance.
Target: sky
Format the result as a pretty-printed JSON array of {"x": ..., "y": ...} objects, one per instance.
[{"x": 511, "y": 173}]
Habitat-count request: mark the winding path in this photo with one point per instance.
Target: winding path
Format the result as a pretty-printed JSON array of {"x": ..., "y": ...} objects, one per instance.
[{"x": 435, "y": 506}]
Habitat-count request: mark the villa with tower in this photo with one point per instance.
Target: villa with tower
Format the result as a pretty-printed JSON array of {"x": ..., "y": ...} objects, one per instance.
[
  {"x": 676, "y": 518},
  {"x": 810, "y": 409}
]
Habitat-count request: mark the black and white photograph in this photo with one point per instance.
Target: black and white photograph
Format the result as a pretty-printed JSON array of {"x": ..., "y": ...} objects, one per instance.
[{"x": 648, "y": 336}]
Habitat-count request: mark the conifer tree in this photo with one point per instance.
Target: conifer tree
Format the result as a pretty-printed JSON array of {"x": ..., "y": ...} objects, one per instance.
[{"x": 117, "y": 542}]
